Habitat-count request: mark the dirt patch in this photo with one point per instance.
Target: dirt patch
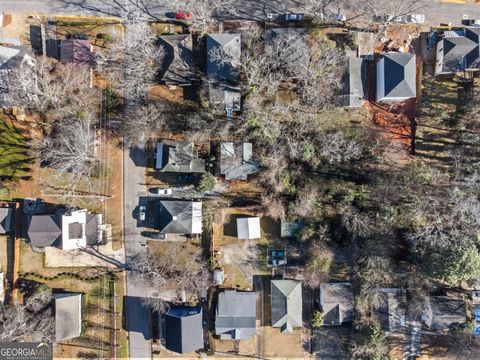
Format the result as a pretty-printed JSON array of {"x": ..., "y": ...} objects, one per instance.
[
  {"x": 16, "y": 26},
  {"x": 276, "y": 344}
]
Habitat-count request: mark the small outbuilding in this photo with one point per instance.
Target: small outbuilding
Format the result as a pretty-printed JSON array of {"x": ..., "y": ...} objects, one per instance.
[
  {"x": 68, "y": 316},
  {"x": 248, "y": 228}
]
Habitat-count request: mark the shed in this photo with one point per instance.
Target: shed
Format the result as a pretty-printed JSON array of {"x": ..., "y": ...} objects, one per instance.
[
  {"x": 68, "y": 316},
  {"x": 248, "y": 228}
]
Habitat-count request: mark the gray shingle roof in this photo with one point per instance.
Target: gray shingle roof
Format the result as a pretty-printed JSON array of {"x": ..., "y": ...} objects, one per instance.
[
  {"x": 235, "y": 316},
  {"x": 180, "y": 157},
  {"x": 177, "y": 65},
  {"x": 396, "y": 76},
  {"x": 6, "y": 220},
  {"x": 11, "y": 57},
  {"x": 392, "y": 310},
  {"x": 91, "y": 228},
  {"x": 444, "y": 313},
  {"x": 290, "y": 47},
  {"x": 458, "y": 50},
  {"x": 355, "y": 84},
  {"x": 180, "y": 217},
  {"x": 337, "y": 303},
  {"x": 44, "y": 230},
  {"x": 184, "y": 330},
  {"x": 68, "y": 316},
  {"x": 236, "y": 161},
  {"x": 286, "y": 303},
  {"x": 227, "y": 72}
]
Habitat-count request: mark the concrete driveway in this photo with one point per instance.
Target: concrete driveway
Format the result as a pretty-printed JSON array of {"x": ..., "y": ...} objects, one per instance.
[{"x": 137, "y": 315}]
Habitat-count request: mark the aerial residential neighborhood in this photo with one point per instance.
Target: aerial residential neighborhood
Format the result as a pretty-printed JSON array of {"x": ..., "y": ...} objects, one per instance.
[{"x": 193, "y": 179}]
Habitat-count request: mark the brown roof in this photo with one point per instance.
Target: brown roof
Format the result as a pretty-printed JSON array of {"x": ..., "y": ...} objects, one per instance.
[{"x": 76, "y": 52}]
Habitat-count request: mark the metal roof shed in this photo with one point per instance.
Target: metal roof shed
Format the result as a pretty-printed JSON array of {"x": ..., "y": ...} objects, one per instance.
[{"x": 248, "y": 228}]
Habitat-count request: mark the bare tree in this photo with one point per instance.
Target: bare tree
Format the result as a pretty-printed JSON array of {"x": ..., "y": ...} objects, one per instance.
[
  {"x": 70, "y": 150},
  {"x": 205, "y": 11},
  {"x": 186, "y": 273},
  {"x": 31, "y": 321}
]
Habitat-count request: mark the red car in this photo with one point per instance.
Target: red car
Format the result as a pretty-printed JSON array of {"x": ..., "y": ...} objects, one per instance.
[{"x": 183, "y": 15}]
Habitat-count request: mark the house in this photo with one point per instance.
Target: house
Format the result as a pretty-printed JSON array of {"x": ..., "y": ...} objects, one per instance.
[
  {"x": 355, "y": 85},
  {"x": 336, "y": 300},
  {"x": 443, "y": 313},
  {"x": 224, "y": 70},
  {"x": 289, "y": 47},
  {"x": 184, "y": 329},
  {"x": 236, "y": 161},
  {"x": 177, "y": 62},
  {"x": 68, "y": 316},
  {"x": 235, "y": 317},
  {"x": 178, "y": 157},
  {"x": 66, "y": 229},
  {"x": 179, "y": 217},
  {"x": 75, "y": 51},
  {"x": 11, "y": 58},
  {"x": 458, "y": 50},
  {"x": 286, "y": 304},
  {"x": 248, "y": 228},
  {"x": 392, "y": 310},
  {"x": 6, "y": 220},
  {"x": 396, "y": 77}
]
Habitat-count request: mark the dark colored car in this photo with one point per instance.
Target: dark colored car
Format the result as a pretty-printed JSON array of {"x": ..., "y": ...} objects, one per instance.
[{"x": 293, "y": 17}]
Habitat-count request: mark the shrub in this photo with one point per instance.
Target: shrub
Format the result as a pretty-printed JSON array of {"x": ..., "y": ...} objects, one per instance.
[
  {"x": 317, "y": 318},
  {"x": 207, "y": 183}
]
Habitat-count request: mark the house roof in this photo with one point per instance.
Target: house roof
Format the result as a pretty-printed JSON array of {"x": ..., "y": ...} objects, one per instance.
[
  {"x": 180, "y": 217},
  {"x": 337, "y": 303},
  {"x": 235, "y": 316},
  {"x": 91, "y": 228},
  {"x": 180, "y": 157},
  {"x": 230, "y": 44},
  {"x": 68, "y": 316},
  {"x": 236, "y": 161},
  {"x": 355, "y": 84},
  {"x": 6, "y": 220},
  {"x": 77, "y": 52},
  {"x": 444, "y": 313},
  {"x": 458, "y": 50},
  {"x": 396, "y": 76},
  {"x": 184, "y": 331},
  {"x": 289, "y": 46},
  {"x": 11, "y": 57},
  {"x": 286, "y": 303},
  {"x": 291, "y": 228},
  {"x": 177, "y": 64},
  {"x": 44, "y": 230},
  {"x": 392, "y": 310},
  {"x": 248, "y": 228}
]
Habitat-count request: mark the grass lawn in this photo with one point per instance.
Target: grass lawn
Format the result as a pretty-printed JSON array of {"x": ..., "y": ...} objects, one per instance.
[{"x": 15, "y": 157}]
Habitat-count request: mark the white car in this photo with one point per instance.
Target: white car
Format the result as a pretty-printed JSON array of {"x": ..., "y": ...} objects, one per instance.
[
  {"x": 159, "y": 191},
  {"x": 416, "y": 18}
]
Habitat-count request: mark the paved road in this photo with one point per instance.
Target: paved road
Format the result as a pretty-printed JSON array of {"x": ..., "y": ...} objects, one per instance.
[
  {"x": 137, "y": 316},
  {"x": 435, "y": 13}
]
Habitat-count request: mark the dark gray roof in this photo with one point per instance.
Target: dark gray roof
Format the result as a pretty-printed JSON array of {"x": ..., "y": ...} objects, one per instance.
[
  {"x": 236, "y": 161},
  {"x": 356, "y": 82},
  {"x": 336, "y": 300},
  {"x": 235, "y": 316},
  {"x": 458, "y": 50},
  {"x": 179, "y": 217},
  {"x": 289, "y": 46},
  {"x": 286, "y": 303},
  {"x": 77, "y": 52},
  {"x": 177, "y": 64},
  {"x": 91, "y": 228},
  {"x": 184, "y": 331},
  {"x": 392, "y": 310},
  {"x": 6, "y": 220},
  {"x": 177, "y": 156},
  {"x": 291, "y": 228},
  {"x": 44, "y": 230},
  {"x": 396, "y": 76},
  {"x": 226, "y": 96},
  {"x": 224, "y": 72},
  {"x": 444, "y": 313}
]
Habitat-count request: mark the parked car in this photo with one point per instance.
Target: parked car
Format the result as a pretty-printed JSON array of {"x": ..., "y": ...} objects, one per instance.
[
  {"x": 154, "y": 235},
  {"x": 333, "y": 17},
  {"x": 293, "y": 17},
  {"x": 142, "y": 212},
  {"x": 471, "y": 22},
  {"x": 278, "y": 262},
  {"x": 415, "y": 18},
  {"x": 183, "y": 15},
  {"x": 77, "y": 36},
  {"x": 159, "y": 191}
]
